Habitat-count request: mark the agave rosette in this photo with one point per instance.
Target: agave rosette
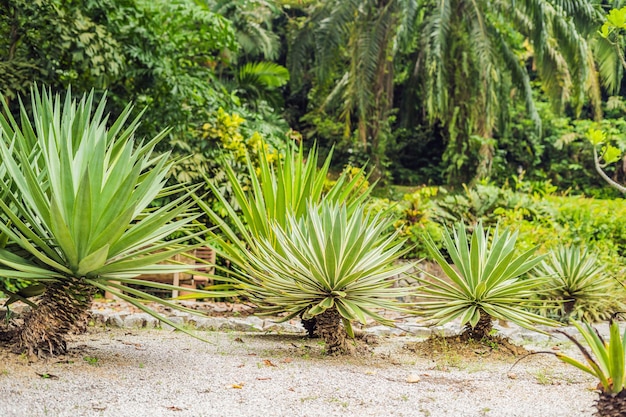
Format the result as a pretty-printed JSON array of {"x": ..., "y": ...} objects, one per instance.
[
  {"x": 604, "y": 359},
  {"x": 577, "y": 278},
  {"x": 77, "y": 201},
  {"x": 328, "y": 259},
  {"x": 485, "y": 277},
  {"x": 276, "y": 191}
]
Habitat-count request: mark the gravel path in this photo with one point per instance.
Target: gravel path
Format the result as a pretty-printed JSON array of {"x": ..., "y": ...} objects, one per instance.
[{"x": 147, "y": 372}]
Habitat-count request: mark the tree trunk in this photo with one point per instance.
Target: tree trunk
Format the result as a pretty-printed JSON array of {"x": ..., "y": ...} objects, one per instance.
[
  {"x": 482, "y": 329},
  {"x": 62, "y": 305},
  {"x": 611, "y": 405},
  {"x": 330, "y": 329}
]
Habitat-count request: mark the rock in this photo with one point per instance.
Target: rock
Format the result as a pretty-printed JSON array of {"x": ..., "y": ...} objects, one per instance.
[
  {"x": 99, "y": 318},
  {"x": 205, "y": 323},
  {"x": 272, "y": 326},
  {"x": 141, "y": 320},
  {"x": 115, "y": 320},
  {"x": 384, "y": 331},
  {"x": 241, "y": 325},
  {"x": 176, "y": 320},
  {"x": 412, "y": 379}
]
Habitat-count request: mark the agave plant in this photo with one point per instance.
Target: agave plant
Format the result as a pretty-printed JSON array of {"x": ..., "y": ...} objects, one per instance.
[
  {"x": 483, "y": 283},
  {"x": 277, "y": 191},
  {"x": 332, "y": 264},
  {"x": 576, "y": 277},
  {"x": 76, "y": 213},
  {"x": 606, "y": 362}
]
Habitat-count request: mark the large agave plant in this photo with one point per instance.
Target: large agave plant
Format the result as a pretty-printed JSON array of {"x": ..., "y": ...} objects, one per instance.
[
  {"x": 483, "y": 283},
  {"x": 75, "y": 213},
  {"x": 332, "y": 264},
  {"x": 576, "y": 278}
]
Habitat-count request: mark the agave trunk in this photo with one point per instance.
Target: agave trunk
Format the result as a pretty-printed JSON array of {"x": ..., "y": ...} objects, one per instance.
[
  {"x": 482, "y": 328},
  {"x": 330, "y": 329},
  {"x": 62, "y": 306},
  {"x": 310, "y": 325},
  {"x": 611, "y": 405}
]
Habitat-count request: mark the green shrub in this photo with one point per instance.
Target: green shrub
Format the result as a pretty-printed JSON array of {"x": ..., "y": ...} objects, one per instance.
[{"x": 596, "y": 223}]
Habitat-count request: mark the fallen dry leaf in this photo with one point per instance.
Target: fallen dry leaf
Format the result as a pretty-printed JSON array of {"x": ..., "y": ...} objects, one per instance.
[
  {"x": 239, "y": 340},
  {"x": 260, "y": 378},
  {"x": 48, "y": 376},
  {"x": 370, "y": 372},
  {"x": 268, "y": 362},
  {"x": 287, "y": 360},
  {"x": 237, "y": 386},
  {"x": 174, "y": 408},
  {"x": 241, "y": 365}
]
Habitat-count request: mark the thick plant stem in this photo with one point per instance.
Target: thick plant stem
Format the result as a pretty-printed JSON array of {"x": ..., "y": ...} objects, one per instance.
[
  {"x": 310, "y": 325},
  {"x": 330, "y": 329},
  {"x": 611, "y": 405},
  {"x": 482, "y": 328},
  {"x": 62, "y": 305}
]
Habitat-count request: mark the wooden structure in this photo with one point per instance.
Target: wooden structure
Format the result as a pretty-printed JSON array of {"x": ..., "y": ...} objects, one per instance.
[{"x": 187, "y": 280}]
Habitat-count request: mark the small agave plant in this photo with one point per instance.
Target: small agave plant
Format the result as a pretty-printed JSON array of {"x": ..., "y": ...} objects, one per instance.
[
  {"x": 329, "y": 264},
  {"x": 605, "y": 360},
  {"x": 75, "y": 216},
  {"x": 576, "y": 278},
  {"x": 483, "y": 283}
]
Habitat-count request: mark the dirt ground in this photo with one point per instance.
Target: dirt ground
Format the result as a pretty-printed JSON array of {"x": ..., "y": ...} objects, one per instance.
[{"x": 139, "y": 372}]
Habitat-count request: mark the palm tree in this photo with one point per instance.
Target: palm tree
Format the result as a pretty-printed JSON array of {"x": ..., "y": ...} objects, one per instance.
[
  {"x": 470, "y": 63},
  {"x": 252, "y": 21},
  {"x": 353, "y": 44},
  {"x": 467, "y": 62},
  {"x": 75, "y": 213}
]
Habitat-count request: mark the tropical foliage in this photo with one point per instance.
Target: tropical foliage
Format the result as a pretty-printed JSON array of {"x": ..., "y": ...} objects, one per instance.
[
  {"x": 307, "y": 248},
  {"x": 605, "y": 154},
  {"x": 272, "y": 191},
  {"x": 76, "y": 213},
  {"x": 484, "y": 282}
]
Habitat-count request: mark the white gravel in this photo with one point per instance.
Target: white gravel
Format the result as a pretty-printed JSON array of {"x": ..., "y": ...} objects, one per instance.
[{"x": 139, "y": 372}]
